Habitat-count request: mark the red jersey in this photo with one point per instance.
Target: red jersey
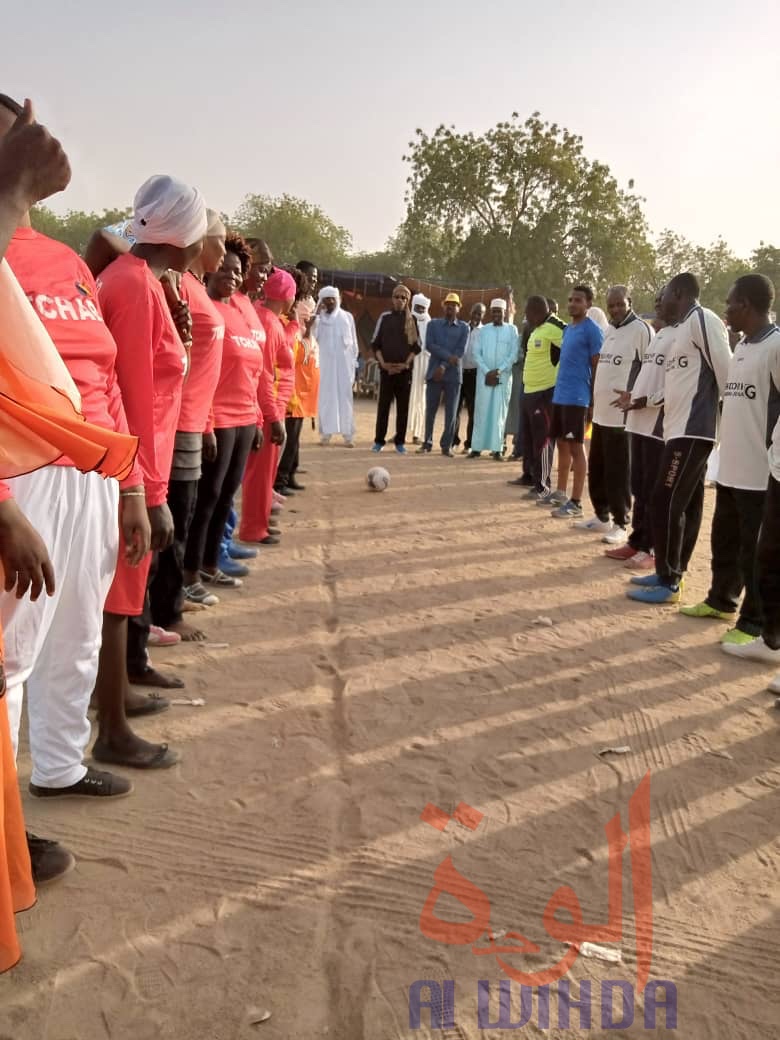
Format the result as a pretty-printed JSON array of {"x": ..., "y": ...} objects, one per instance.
[
  {"x": 150, "y": 364},
  {"x": 208, "y": 332},
  {"x": 63, "y": 293},
  {"x": 276, "y": 347},
  {"x": 235, "y": 400}
]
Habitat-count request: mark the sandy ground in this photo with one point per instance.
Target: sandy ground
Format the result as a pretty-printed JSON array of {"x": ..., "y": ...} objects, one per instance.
[{"x": 386, "y": 657}]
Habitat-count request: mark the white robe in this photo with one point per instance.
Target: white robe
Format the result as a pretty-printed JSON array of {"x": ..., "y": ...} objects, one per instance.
[
  {"x": 417, "y": 398},
  {"x": 496, "y": 348},
  {"x": 337, "y": 338}
]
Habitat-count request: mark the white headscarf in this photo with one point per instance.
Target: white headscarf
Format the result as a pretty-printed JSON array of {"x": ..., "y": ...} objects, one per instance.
[
  {"x": 498, "y": 303},
  {"x": 168, "y": 212},
  {"x": 418, "y": 300},
  {"x": 329, "y": 292}
]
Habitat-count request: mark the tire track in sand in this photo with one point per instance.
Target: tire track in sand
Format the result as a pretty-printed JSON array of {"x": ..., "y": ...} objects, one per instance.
[{"x": 348, "y": 955}]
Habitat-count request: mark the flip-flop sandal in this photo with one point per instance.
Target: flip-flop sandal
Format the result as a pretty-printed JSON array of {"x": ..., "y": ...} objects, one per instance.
[
  {"x": 151, "y": 677},
  {"x": 164, "y": 757},
  {"x": 153, "y": 705}
]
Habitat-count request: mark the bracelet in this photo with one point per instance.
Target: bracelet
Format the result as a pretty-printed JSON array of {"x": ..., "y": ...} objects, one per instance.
[{"x": 132, "y": 494}]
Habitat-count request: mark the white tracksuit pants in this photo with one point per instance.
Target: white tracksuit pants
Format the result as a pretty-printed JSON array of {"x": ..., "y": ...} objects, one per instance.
[{"x": 53, "y": 644}]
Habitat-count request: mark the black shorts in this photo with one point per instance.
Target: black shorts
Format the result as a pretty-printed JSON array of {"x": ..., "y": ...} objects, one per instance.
[{"x": 568, "y": 423}]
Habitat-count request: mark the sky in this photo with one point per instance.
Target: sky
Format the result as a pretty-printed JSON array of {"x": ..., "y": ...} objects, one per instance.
[{"x": 320, "y": 100}]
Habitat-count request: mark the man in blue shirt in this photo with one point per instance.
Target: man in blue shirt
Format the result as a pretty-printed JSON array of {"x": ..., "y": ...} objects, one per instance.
[
  {"x": 445, "y": 341},
  {"x": 573, "y": 399}
]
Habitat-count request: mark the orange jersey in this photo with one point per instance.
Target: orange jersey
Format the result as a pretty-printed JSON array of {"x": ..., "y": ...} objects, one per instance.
[{"x": 303, "y": 403}]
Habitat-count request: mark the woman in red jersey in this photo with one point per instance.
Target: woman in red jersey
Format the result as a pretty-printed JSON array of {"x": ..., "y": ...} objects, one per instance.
[
  {"x": 279, "y": 293},
  {"x": 195, "y": 437},
  {"x": 235, "y": 421},
  {"x": 169, "y": 225}
]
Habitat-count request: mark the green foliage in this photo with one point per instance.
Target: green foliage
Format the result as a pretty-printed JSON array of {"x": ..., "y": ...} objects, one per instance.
[
  {"x": 766, "y": 260},
  {"x": 522, "y": 203},
  {"x": 75, "y": 228},
  {"x": 294, "y": 229},
  {"x": 716, "y": 267}
]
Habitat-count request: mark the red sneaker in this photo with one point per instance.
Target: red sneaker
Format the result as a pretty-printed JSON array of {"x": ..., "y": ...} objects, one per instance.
[{"x": 623, "y": 552}]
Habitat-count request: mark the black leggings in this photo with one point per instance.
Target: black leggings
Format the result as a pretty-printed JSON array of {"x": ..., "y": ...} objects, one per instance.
[
  {"x": 219, "y": 481},
  {"x": 166, "y": 594},
  {"x": 678, "y": 501},
  {"x": 288, "y": 463}
]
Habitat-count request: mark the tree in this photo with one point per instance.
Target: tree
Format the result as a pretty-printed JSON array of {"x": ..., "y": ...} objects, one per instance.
[
  {"x": 522, "y": 203},
  {"x": 766, "y": 260},
  {"x": 716, "y": 267},
  {"x": 295, "y": 229},
  {"x": 75, "y": 228}
]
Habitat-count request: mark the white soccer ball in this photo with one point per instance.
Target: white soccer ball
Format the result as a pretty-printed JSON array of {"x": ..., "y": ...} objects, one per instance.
[{"x": 378, "y": 479}]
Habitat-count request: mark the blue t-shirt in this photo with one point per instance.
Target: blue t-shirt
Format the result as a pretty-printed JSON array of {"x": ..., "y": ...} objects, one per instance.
[{"x": 580, "y": 343}]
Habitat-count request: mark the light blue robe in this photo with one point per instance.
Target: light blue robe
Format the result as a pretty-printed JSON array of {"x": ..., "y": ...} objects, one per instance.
[{"x": 496, "y": 348}]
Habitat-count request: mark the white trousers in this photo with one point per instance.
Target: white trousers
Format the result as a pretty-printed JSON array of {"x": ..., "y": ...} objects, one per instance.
[{"x": 53, "y": 644}]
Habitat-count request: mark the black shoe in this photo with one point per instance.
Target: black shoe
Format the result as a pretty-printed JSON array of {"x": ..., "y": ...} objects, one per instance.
[
  {"x": 49, "y": 859},
  {"x": 473, "y": 455},
  {"x": 270, "y": 539},
  {"x": 94, "y": 784},
  {"x": 293, "y": 483},
  {"x": 448, "y": 453},
  {"x": 285, "y": 491}
]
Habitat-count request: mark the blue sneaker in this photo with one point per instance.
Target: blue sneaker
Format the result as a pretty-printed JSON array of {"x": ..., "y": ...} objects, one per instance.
[
  {"x": 240, "y": 552},
  {"x": 230, "y": 567},
  {"x": 568, "y": 511},
  {"x": 376, "y": 448},
  {"x": 647, "y": 581},
  {"x": 657, "y": 594},
  {"x": 401, "y": 449}
]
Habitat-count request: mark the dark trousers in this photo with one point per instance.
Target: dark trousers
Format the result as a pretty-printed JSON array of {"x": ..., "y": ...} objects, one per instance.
[
  {"x": 768, "y": 565},
  {"x": 467, "y": 399},
  {"x": 538, "y": 446},
  {"x": 735, "y": 528},
  {"x": 609, "y": 474},
  {"x": 138, "y": 629},
  {"x": 219, "y": 481},
  {"x": 433, "y": 394},
  {"x": 166, "y": 589},
  {"x": 678, "y": 500},
  {"x": 288, "y": 463},
  {"x": 646, "y": 455},
  {"x": 393, "y": 386}
]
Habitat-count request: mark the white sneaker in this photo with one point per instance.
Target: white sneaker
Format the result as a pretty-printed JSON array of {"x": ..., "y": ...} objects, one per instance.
[
  {"x": 755, "y": 651},
  {"x": 594, "y": 525},
  {"x": 617, "y": 536}
]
